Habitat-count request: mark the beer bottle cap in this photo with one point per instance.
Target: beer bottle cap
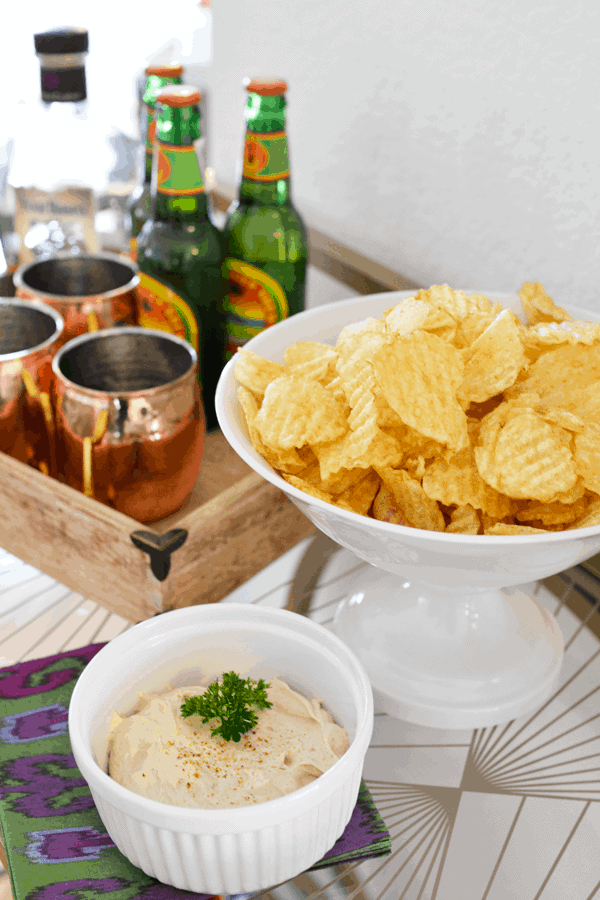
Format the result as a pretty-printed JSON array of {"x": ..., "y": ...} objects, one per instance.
[
  {"x": 178, "y": 95},
  {"x": 61, "y": 40},
  {"x": 166, "y": 70},
  {"x": 266, "y": 87}
]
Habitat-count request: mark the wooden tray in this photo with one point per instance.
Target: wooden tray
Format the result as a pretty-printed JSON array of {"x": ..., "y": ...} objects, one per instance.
[{"x": 232, "y": 525}]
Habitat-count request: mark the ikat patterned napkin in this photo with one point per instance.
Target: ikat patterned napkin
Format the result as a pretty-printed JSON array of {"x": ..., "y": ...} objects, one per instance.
[{"x": 56, "y": 845}]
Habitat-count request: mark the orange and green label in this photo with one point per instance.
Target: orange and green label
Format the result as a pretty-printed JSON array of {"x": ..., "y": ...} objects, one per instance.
[
  {"x": 150, "y": 129},
  {"x": 178, "y": 171},
  {"x": 161, "y": 308},
  {"x": 266, "y": 156},
  {"x": 254, "y": 302}
]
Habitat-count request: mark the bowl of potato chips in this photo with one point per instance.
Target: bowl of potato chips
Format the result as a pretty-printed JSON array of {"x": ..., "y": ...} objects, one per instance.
[{"x": 451, "y": 439}]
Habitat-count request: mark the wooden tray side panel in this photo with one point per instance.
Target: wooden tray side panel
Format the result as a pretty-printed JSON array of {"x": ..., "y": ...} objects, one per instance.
[
  {"x": 76, "y": 540},
  {"x": 244, "y": 529}
]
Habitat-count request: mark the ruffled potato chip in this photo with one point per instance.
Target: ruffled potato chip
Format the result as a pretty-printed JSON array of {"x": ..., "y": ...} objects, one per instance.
[
  {"x": 587, "y": 457},
  {"x": 419, "y": 510},
  {"x": 297, "y": 411},
  {"x": 561, "y": 377},
  {"x": 360, "y": 496},
  {"x": 369, "y": 332},
  {"x": 494, "y": 360},
  {"x": 385, "y": 508},
  {"x": 551, "y": 513},
  {"x": 441, "y": 323},
  {"x": 413, "y": 314},
  {"x": 472, "y": 313},
  {"x": 489, "y": 521},
  {"x": 471, "y": 328},
  {"x": 525, "y": 457},
  {"x": 356, "y": 376},
  {"x": 342, "y": 453},
  {"x": 358, "y": 381},
  {"x": 458, "y": 304},
  {"x": 414, "y": 443},
  {"x": 573, "y": 494},
  {"x": 556, "y": 416},
  {"x": 407, "y": 316},
  {"x": 420, "y": 376},
  {"x": 538, "y": 306},
  {"x": 334, "y": 385},
  {"x": 254, "y": 372},
  {"x": 458, "y": 482},
  {"x": 308, "y": 488},
  {"x": 288, "y": 461},
  {"x": 591, "y": 517},
  {"x": 306, "y": 351},
  {"x": 311, "y": 359},
  {"x": 548, "y": 334},
  {"x": 464, "y": 520},
  {"x": 502, "y": 528},
  {"x": 587, "y": 407},
  {"x": 336, "y": 484}
]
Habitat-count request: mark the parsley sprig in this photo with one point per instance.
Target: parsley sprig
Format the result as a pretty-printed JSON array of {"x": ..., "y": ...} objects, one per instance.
[{"x": 230, "y": 702}]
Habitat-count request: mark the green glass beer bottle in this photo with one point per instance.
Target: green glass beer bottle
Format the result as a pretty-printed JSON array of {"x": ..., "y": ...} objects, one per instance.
[
  {"x": 158, "y": 77},
  {"x": 179, "y": 249},
  {"x": 265, "y": 240}
]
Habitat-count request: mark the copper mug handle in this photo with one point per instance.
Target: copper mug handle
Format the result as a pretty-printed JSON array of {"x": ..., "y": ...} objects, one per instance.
[
  {"x": 88, "y": 443},
  {"x": 43, "y": 399}
]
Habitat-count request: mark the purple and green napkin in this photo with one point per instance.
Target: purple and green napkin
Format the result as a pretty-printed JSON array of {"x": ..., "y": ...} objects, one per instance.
[{"x": 56, "y": 845}]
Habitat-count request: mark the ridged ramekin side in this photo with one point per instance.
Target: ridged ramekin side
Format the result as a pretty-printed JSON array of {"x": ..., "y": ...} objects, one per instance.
[{"x": 234, "y": 863}]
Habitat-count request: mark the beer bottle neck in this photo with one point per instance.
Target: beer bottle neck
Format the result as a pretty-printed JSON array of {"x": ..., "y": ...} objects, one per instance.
[
  {"x": 177, "y": 185},
  {"x": 154, "y": 84},
  {"x": 266, "y": 172}
]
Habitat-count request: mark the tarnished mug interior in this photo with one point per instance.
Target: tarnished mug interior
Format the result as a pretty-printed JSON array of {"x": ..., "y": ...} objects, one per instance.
[
  {"x": 77, "y": 276},
  {"x": 24, "y": 327},
  {"x": 127, "y": 361}
]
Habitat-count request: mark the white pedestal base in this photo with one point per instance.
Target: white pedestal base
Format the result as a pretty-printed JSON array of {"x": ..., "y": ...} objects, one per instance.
[{"x": 449, "y": 658}]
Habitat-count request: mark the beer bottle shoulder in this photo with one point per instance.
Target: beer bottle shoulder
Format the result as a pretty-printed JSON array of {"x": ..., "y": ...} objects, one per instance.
[
  {"x": 262, "y": 232},
  {"x": 179, "y": 248}
]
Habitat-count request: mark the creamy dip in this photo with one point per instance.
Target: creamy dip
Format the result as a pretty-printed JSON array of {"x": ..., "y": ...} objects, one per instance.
[{"x": 159, "y": 754}]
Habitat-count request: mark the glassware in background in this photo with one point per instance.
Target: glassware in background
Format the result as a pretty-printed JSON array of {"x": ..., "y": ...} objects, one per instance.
[
  {"x": 29, "y": 337},
  {"x": 129, "y": 419},
  {"x": 61, "y": 158},
  {"x": 89, "y": 292},
  {"x": 179, "y": 251},
  {"x": 265, "y": 240},
  {"x": 157, "y": 77}
]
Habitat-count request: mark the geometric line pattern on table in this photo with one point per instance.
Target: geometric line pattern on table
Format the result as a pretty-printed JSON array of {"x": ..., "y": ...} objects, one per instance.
[
  {"x": 550, "y": 756},
  {"x": 502, "y": 813}
]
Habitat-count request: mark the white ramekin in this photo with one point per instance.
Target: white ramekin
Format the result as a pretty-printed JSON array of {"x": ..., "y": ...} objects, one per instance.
[{"x": 217, "y": 851}]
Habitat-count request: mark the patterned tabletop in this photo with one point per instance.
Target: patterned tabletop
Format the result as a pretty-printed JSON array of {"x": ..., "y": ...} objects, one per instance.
[{"x": 503, "y": 813}]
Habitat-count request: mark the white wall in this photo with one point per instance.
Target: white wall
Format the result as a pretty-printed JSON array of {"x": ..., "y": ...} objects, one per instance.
[{"x": 451, "y": 140}]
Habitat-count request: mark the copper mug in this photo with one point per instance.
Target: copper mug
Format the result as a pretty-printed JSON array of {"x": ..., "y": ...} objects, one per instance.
[
  {"x": 89, "y": 291},
  {"x": 129, "y": 419},
  {"x": 29, "y": 336}
]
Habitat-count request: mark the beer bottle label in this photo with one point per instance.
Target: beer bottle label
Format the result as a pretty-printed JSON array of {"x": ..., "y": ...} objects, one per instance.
[
  {"x": 178, "y": 172},
  {"x": 254, "y": 302},
  {"x": 161, "y": 308},
  {"x": 266, "y": 156}
]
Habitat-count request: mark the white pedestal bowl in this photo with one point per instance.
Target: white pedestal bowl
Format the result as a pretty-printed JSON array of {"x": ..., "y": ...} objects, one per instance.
[{"x": 447, "y": 638}]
